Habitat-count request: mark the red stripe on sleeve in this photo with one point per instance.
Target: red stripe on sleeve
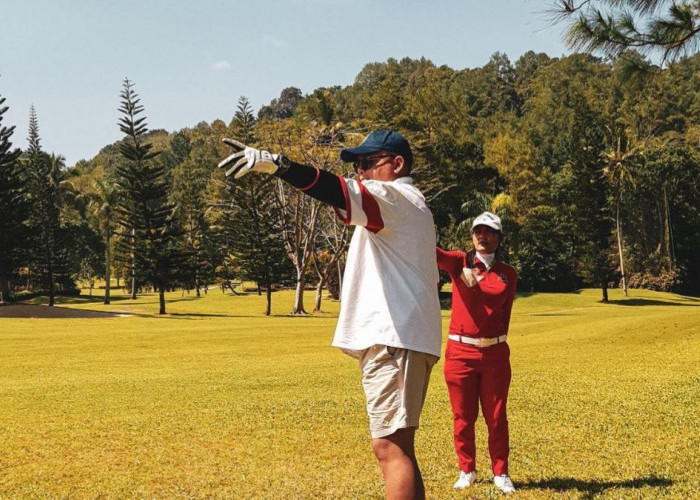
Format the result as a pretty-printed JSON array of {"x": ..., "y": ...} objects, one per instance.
[
  {"x": 371, "y": 209},
  {"x": 345, "y": 219}
]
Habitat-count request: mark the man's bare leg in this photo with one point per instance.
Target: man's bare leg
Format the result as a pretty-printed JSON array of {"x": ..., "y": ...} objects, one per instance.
[{"x": 397, "y": 459}]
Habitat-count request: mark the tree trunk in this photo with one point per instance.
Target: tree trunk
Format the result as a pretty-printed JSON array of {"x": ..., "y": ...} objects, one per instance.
[
  {"x": 299, "y": 295},
  {"x": 340, "y": 280},
  {"x": 133, "y": 264},
  {"x": 196, "y": 282},
  {"x": 4, "y": 290},
  {"x": 161, "y": 296},
  {"x": 605, "y": 293},
  {"x": 319, "y": 296},
  {"x": 268, "y": 292},
  {"x": 108, "y": 267},
  {"x": 668, "y": 231},
  {"x": 52, "y": 291},
  {"x": 619, "y": 247}
]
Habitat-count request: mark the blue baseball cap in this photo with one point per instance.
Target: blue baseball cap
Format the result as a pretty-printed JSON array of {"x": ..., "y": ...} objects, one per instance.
[{"x": 380, "y": 140}]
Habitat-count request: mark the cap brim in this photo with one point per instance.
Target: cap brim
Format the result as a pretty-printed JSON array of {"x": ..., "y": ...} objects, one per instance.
[
  {"x": 351, "y": 154},
  {"x": 494, "y": 227}
]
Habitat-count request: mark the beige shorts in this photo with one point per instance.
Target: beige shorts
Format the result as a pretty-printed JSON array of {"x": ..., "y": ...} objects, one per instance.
[{"x": 395, "y": 381}]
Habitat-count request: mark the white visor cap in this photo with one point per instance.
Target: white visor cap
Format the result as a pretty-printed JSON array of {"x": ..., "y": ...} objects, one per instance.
[{"x": 488, "y": 219}]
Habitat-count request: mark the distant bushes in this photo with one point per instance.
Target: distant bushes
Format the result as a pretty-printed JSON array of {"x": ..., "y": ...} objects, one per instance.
[
  {"x": 663, "y": 281},
  {"x": 30, "y": 294}
]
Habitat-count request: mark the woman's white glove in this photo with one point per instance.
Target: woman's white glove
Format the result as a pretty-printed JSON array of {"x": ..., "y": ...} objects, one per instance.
[
  {"x": 469, "y": 277},
  {"x": 247, "y": 159}
]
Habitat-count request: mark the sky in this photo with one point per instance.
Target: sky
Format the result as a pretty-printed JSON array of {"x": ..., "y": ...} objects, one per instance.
[{"x": 190, "y": 61}]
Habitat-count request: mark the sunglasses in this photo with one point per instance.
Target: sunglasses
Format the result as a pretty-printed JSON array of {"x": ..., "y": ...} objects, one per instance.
[{"x": 366, "y": 162}]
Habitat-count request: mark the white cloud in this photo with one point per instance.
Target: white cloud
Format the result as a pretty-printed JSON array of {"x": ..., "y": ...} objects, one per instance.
[
  {"x": 221, "y": 65},
  {"x": 271, "y": 41}
]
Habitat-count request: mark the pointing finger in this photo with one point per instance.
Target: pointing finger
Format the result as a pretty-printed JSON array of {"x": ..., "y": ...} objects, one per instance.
[
  {"x": 238, "y": 169},
  {"x": 230, "y": 159},
  {"x": 236, "y": 145}
]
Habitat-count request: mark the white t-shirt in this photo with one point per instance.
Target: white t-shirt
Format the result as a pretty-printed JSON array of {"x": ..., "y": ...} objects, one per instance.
[{"x": 390, "y": 293}]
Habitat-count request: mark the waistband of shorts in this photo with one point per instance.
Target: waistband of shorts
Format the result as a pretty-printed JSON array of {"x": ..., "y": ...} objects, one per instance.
[{"x": 478, "y": 342}]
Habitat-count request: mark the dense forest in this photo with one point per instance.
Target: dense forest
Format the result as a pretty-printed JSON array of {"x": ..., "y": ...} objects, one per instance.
[{"x": 595, "y": 172}]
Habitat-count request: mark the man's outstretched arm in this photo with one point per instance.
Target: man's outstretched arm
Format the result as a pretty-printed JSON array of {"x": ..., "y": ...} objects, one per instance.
[{"x": 314, "y": 182}]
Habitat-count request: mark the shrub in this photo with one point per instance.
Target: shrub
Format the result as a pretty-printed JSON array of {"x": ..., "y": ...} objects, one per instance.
[{"x": 663, "y": 281}]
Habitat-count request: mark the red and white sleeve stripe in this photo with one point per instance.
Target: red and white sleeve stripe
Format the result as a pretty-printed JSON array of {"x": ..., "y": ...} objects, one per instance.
[{"x": 362, "y": 208}]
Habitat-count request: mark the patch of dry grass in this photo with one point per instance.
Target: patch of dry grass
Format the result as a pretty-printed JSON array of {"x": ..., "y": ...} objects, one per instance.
[{"x": 215, "y": 400}]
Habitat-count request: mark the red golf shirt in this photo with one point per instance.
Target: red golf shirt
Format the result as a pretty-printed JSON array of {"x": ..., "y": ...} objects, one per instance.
[{"x": 482, "y": 310}]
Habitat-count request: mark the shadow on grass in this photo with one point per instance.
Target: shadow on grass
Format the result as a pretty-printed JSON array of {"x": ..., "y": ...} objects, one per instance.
[
  {"x": 221, "y": 315},
  {"x": 43, "y": 311},
  {"x": 651, "y": 302},
  {"x": 591, "y": 488},
  {"x": 525, "y": 294},
  {"x": 202, "y": 315},
  {"x": 116, "y": 297}
]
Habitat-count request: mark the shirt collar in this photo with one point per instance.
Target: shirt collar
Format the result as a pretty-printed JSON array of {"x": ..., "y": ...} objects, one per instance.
[{"x": 486, "y": 259}]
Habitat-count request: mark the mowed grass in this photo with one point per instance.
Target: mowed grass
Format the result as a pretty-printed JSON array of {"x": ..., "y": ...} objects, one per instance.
[{"x": 215, "y": 400}]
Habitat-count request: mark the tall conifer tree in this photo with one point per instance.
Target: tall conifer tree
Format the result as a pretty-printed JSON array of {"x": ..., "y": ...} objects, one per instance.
[
  {"x": 144, "y": 213},
  {"x": 13, "y": 207},
  {"x": 44, "y": 177}
]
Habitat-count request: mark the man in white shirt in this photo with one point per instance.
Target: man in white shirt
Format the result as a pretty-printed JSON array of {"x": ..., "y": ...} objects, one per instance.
[{"x": 390, "y": 312}]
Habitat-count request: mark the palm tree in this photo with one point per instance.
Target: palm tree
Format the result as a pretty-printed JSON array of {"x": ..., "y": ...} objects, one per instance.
[
  {"x": 617, "y": 172},
  {"x": 500, "y": 204},
  {"x": 102, "y": 207}
]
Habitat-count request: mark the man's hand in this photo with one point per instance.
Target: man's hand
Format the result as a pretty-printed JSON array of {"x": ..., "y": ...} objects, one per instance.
[{"x": 247, "y": 159}]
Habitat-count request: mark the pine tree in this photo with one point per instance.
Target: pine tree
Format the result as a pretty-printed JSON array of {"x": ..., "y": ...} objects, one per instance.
[
  {"x": 188, "y": 193},
  {"x": 144, "y": 214},
  {"x": 613, "y": 26},
  {"x": 13, "y": 207},
  {"x": 44, "y": 177},
  {"x": 243, "y": 121},
  {"x": 256, "y": 235}
]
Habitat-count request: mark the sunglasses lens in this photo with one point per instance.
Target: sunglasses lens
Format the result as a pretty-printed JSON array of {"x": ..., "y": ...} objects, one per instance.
[{"x": 360, "y": 163}]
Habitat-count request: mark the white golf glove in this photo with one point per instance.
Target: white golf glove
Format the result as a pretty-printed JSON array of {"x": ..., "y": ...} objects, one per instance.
[
  {"x": 470, "y": 278},
  {"x": 247, "y": 159}
]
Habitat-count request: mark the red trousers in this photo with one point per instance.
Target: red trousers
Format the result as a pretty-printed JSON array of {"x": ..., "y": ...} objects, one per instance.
[{"x": 479, "y": 375}]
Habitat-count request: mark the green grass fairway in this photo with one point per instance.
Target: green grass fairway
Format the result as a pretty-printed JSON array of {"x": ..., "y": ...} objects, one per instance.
[{"x": 215, "y": 400}]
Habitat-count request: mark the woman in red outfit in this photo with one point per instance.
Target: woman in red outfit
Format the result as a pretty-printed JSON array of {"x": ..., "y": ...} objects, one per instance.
[{"x": 477, "y": 358}]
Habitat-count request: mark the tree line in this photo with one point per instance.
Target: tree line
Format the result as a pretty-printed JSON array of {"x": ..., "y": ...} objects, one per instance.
[{"x": 595, "y": 172}]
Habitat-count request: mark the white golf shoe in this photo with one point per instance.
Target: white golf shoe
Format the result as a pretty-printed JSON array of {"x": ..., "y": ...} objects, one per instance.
[
  {"x": 504, "y": 483},
  {"x": 466, "y": 479}
]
